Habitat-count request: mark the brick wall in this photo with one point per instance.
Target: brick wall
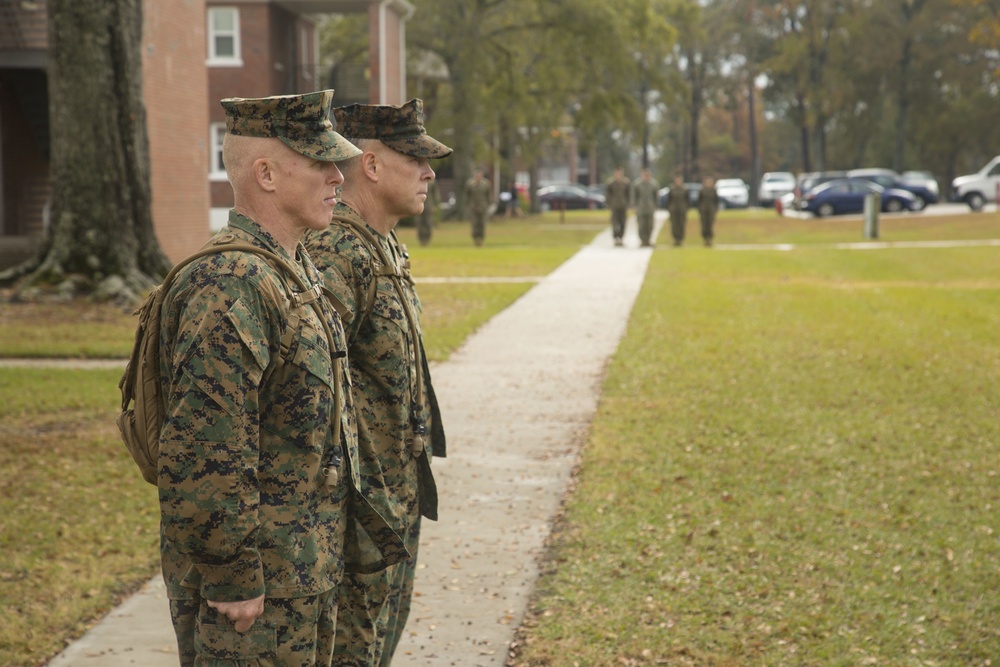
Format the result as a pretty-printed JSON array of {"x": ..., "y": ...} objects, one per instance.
[
  {"x": 175, "y": 87},
  {"x": 269, "y": 48}
]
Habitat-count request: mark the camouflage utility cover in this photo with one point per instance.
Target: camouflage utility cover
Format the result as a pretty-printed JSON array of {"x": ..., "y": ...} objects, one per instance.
[
  {"x": 245, "y": 508},
  {"x": 302, "y": 122},
  {"x": 398, "y": 127}
]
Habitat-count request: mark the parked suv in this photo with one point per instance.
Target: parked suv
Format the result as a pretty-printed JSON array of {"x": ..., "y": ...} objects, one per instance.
[{"x": 979, "y": 188}]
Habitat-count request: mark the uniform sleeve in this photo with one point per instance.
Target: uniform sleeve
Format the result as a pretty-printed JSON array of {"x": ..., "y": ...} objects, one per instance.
[{"x": 209, "y": 445}]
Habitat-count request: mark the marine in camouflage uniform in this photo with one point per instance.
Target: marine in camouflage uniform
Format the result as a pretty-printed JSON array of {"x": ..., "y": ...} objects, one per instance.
[
  {"x": 677, "y": 205},
  {"x": 425, "y": 221},
  {"x": 400, "y": 428},
  {"x": 258, "y": 471},
  {"x": 644, "y": 200},
  {"x": 616, "y": 195},
  {"x": 708, "y": 205},
  {"x": 478, "y": 199}
]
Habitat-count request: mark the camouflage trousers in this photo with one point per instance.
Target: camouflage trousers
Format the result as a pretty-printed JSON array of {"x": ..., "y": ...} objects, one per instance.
[
  {"x": 678, "y": 221},
  {"x": 645, "y": 223},
  {"x": 292, "y": 632},
  {"x": 373, "y": 610},
  {"x": 707, "y": 224},
  {"x": 424, "y": 227},
  {"x": 618, "y": 216},
  {"x": 478, "y": 227}
]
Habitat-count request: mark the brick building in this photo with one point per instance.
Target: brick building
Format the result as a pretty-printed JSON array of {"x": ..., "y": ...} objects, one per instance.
[
  {"x": 195, "y": 52},
  {"x": 261, "y": 47}
]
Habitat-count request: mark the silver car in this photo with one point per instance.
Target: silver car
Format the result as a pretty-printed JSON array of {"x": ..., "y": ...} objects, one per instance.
[
  {"x": 733, "y": 193},
  {"x": 773, "y": 186}
]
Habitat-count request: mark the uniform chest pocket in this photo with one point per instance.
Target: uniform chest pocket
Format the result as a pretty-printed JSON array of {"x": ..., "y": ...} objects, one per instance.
[
  {"x": 313, "y": 353},
  {"x": 388, "y": 314},
  {"x": 302, "y": 398}
]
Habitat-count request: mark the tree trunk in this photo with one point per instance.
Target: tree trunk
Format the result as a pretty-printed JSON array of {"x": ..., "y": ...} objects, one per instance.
[
  {"x": 752, "y": 128},
  {"x": 101, "y": 217},
  {"x": 803, "y": 132},
  {"x": 899, "y": 154}
]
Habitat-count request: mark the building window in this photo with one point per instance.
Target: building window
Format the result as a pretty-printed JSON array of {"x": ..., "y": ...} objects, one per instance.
[
  {"x": 217, "y": 171},
  {"x": 224, "y": 37}
]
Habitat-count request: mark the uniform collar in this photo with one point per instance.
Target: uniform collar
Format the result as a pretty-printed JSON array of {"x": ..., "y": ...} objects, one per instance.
[
  {"x": 264, "y": 239},
  {"x": 342, "y": 210}
]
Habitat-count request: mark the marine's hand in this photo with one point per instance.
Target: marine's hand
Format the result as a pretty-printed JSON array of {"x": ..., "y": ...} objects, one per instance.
[{"x": 242, "y": 613}]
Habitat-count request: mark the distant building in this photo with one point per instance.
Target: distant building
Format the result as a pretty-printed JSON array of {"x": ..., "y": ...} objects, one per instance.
[{"x": 195, "y": 53}]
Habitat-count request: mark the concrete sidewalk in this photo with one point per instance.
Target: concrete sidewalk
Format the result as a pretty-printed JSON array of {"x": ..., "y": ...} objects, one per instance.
[{"x": 517, "y": 400}]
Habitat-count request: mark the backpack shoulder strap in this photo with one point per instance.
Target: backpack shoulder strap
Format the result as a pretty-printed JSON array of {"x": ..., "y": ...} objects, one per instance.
[
  {"x": 385, "y": 267},
  {"x": 390, "y": 269}
]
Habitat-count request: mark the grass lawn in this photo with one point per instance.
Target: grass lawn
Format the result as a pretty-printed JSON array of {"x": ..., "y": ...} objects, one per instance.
[
  {"x": 795, "y": 462},
  {"x": 78, "y": 525},
  {"x": 794, "y": 459}
]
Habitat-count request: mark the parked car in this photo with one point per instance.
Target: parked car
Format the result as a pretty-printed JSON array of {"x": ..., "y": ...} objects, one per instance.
[
  {"x": 847, "y": 195},
  {"x": 568, "y": 197},
  {"x": 694, "y": 191},
  {"x": 773, "y": 186},
  {"x": 806, "y": 182},
  {"x": 924, "y": 178},
  {"x": 888, "y": 178},
  {"x": 979, "y": 188},
  {"x": 733, "y": 193}
]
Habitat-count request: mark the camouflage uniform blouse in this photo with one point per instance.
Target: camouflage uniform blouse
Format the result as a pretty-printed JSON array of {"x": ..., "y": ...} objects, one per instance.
[
  {"x": 383, "y": 370},
  {"x": 616, "y": 192},
  {"x": 645, "y": 195},
  {"x": 478, "y": 195},
  {"x": 245, "y": 508}
]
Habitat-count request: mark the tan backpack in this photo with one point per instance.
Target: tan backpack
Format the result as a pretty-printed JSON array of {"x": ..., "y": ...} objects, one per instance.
[{"x": 143, "y": 407}]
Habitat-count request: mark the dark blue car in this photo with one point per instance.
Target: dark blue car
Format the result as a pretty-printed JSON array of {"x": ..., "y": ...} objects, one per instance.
[
  {"x": 847, "y": 195},
  {"x": 925, "y": 192}
]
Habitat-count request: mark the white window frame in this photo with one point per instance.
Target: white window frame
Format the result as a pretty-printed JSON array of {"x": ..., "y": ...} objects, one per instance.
[
  {"x": 216, "y": 170},
  {"x": 214, "y": 59}
]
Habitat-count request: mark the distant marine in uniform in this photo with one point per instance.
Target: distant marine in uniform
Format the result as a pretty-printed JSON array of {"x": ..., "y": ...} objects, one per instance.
[
  {"x": 677, "y": 206},
  {"x": 645, "y": 193},
  {"x": 478, "y": 199},
  {"x": 708, "y": 204},
  {"x": 616, "y": 195},
  {"x": 425, "y": 221}
]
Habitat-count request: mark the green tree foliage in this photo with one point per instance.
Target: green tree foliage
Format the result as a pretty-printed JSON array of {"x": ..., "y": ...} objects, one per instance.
[{"x": 720, "y": 87}]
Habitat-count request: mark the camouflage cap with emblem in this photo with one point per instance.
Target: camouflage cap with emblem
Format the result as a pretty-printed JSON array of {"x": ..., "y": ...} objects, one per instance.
[
  {"x": 302, "y": 122},
  {"x": 398, "y": 127}
]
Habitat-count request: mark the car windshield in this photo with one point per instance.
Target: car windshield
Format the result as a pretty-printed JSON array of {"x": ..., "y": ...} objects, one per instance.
[{"x": 729, "y": 183}]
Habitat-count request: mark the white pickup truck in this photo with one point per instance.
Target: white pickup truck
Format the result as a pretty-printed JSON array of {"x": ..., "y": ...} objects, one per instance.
[{"x": 979, "y": 188}]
